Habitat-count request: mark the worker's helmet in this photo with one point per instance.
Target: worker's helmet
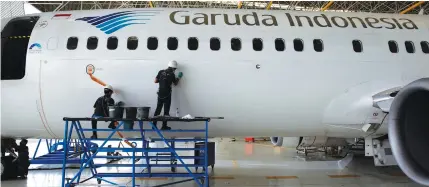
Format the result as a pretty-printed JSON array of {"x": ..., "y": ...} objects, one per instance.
[
  {"x": 108, "y": 87},
  {"x": 172, "y": 64}
]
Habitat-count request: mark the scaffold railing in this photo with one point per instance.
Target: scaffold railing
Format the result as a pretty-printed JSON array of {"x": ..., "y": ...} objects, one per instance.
[{"x": 90, "y": 152}]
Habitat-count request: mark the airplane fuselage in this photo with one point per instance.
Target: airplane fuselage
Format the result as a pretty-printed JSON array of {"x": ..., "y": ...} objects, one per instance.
[{"x": 259, "y": 93}]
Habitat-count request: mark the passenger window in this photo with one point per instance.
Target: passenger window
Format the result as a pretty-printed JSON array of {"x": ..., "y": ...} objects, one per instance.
[
  {"x": 112, "y": 43},
  {"x": 72, "y": 43},
  {"x": 235, "y": 44},
  {"x": 298, "y": 44},
  {"x": 192, "y": 43},
  {"x": 257, "y": 44},
  {"x": 152, "y": 43},
  {"x": 279, "y": 44},
  {"x": 215, "y": 44},
  {"x": 393, "y": 46},
  {"x": 172, "y": 43},
  {"x": 425, "y": 46},
  {"x": 318, "y": 45},
  {"x": 409, "y": 46},
  {"x": 132, "y": 43},
  {"x": 92, "y": 43},
  {"x": 357, "y": 46}
]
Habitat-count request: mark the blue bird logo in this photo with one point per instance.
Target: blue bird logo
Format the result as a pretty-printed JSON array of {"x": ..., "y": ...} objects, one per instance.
[
  {"x": 37, "y": 45},
  {"x": 113, "y": 22}
]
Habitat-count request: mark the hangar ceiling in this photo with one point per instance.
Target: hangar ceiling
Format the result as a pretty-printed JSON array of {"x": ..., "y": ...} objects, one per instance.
[{"x": 409, "y": 7}]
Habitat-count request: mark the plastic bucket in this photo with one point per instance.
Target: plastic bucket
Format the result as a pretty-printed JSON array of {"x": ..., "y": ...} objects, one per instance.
[
  {"x": 143, "y": 112},
  {"x": 130, "y": 112},
  {"x": 116, "y": 112}
]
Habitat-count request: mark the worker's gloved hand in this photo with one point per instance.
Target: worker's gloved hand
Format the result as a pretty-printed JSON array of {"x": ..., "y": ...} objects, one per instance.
[{"x": 180, "y": 75}]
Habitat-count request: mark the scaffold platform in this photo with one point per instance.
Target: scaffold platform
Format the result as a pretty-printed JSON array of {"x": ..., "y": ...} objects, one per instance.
[{"x": 137, "y": 152}]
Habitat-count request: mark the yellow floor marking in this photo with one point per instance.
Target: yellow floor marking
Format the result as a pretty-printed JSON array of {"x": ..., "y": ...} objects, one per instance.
[
  {"x": 222, "y": 177},
  {"x": 281, "y": 177},
  {"x": 398, "y": 174},
  {"x": 234, "y": 164},
  {"x": 343, "y": 176}
]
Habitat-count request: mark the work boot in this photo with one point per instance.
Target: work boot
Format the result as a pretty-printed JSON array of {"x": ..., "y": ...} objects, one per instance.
[
  {"x": 112, "y": 125},
  {"x": 165, "y": 127},
  {"x": 94, "y": 136}
]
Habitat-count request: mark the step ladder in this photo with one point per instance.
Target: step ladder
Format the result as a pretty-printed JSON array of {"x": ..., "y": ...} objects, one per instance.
[{"x": 55, "y": 154}]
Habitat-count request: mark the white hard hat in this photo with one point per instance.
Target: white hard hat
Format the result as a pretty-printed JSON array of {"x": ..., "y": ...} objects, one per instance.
[
  {"x": 172, "y": 64},
  {"x": 108, "y": 87}
]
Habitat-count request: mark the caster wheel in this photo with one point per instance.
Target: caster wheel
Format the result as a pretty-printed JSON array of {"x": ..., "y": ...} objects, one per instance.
[{"x": 98, "y": 181}]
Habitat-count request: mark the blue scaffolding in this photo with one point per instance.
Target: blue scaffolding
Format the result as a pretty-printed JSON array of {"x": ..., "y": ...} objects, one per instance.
[
  {"x": 89, "y": 152},
  {"x": 56, "y": 152}
]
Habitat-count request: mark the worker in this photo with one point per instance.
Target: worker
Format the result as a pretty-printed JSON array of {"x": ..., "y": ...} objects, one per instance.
[
  {"x": 165, "y": 79},
  {"x": 23, "y": 158},
  {"x": 101, "y": 108}
]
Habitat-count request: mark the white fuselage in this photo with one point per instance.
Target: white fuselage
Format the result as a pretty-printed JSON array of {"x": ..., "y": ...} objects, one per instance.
[{"x": 291, "y": 94}]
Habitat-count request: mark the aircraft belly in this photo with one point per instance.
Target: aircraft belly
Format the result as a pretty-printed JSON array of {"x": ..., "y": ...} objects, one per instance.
[
  {"x": 279, "y": 98},
  {"x": 250, "y": 105}
]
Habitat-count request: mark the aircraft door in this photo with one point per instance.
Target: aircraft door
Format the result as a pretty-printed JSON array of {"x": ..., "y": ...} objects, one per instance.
[{"x": 18, "y": 79}]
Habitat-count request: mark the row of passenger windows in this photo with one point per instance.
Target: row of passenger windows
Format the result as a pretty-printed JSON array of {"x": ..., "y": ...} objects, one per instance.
[
  {"x": 409, "y": 46},
  {"x": 215, "y": 44}
]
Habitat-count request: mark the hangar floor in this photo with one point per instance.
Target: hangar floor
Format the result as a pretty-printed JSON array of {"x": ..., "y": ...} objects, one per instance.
[{"x": 259, "y": 164}]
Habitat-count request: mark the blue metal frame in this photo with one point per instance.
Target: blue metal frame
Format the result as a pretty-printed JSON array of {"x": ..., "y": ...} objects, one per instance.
[
  {"x": 87, "y": 158},
  {"x": 55, "y": 153}
]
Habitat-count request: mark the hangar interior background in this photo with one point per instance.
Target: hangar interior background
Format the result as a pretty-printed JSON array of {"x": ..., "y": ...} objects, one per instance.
[{"x": 14, "y": 8}]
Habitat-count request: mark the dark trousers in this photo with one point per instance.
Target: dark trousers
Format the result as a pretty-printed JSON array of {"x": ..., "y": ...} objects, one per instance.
[
  {"x": 166, "y": 102},
  {"x": 23, "y": 160},
  {"x": 94, "y": 124}
]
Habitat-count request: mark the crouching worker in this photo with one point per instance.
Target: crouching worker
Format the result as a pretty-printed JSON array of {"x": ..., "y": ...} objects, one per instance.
[
  {"x": 165, "y": 79},
  {"x": 101, "y": 108}
]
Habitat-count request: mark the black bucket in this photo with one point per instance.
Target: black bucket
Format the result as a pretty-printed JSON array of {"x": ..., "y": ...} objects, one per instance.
[
  {"x": 116, "y": 112},
  {"x": 130, "y": 112},
  {"x": 143, "y": 112}
]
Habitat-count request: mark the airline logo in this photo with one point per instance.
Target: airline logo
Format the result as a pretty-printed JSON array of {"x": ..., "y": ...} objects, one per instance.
[
  {"x": 35, "y": 46},
  {"x": 113, "y": 22},
  {"x": 182, "y": 17}
]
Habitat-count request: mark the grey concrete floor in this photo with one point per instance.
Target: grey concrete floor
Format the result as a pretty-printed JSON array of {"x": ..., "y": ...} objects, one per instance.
[{"x": 253, "y": 164}]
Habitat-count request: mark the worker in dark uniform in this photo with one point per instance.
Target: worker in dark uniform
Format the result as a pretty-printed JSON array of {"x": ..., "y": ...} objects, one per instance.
[
  {"x": 165, "y": 79},
  {"x": 101, "y": 108},
  {"x": 23, "y": 158}
]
